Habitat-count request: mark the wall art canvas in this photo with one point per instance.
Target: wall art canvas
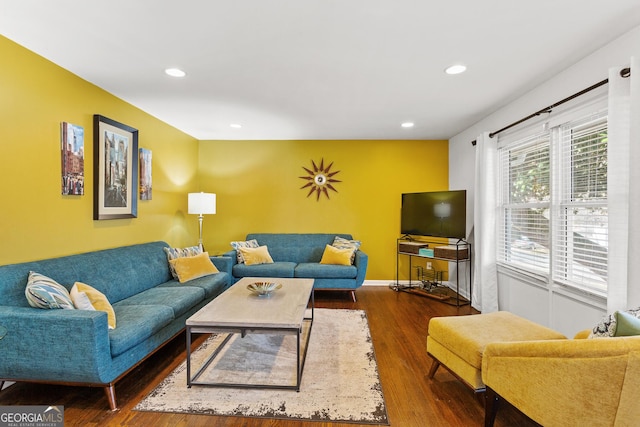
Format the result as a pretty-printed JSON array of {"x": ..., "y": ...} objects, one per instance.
[
  {"x": 146, "y": 183},
  {"x": 115, "y": 169},
  {"x": 72, "y": 156}
]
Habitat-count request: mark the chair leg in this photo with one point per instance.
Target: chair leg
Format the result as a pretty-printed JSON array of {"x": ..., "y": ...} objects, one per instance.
[
  {"x": 491, "y": 405},
  {"x": 110, "y": 391},
  {"x": 434, "y": 367}
]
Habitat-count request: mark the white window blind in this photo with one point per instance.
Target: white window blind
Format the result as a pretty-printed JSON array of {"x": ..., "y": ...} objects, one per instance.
[
  {"x": 553, "y": 202},
  {"x": 525, "y": 197},
  {"x": 580, "y": 233}
]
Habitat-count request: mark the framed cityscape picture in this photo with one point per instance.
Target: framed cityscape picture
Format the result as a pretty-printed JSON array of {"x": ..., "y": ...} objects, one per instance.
[
  {"x": 146, "y": 182},
  {"x": 115, "y": 175},
  {"x": 72, "y": 156}
]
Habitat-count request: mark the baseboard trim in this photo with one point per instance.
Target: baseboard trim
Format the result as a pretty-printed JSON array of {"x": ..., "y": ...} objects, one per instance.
[{"x": 378, "y": 282}]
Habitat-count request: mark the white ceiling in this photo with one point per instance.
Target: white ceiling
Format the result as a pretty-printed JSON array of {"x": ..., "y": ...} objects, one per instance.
[{"x": 316, "y": 69}]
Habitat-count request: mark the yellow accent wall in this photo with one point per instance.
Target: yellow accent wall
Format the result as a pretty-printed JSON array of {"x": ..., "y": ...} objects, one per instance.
[
  {"x": 258, "y": 190},
  {"x": 36, "y": 221},
  {"x": 257, "y": 182}
]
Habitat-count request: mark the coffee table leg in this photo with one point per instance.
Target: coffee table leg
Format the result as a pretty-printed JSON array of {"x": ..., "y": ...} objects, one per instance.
[
  {"x": 188, "y": 357},
  {"x": 298, "y": 366}
]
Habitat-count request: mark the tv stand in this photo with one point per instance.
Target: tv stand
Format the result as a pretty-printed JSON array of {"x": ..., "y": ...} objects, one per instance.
[{"x": 429, "y": 282}]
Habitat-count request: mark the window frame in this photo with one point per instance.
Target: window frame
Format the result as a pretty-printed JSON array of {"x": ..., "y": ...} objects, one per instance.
[{"x": 552, "y": 128}]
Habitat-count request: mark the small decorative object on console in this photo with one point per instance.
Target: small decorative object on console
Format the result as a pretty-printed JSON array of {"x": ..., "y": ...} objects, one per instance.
[{"x": 426, "y": 252}]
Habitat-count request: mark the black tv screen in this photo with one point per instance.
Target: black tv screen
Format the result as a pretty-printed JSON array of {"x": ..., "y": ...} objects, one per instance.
[{"x": 436, "y": 213}]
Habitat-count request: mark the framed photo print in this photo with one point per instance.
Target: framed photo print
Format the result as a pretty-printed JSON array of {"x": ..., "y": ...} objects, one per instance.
[
  {"x": 115, "y": 175},
  {"x": 72, "y": 153},
  {"x": 146, "y": 182}
]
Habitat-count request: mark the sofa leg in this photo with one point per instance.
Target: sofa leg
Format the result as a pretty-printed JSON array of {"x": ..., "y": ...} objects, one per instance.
[
  {"x": 434, "y": 367},
  {"x": 110, "y": 391},
  {"x": 491, "y": 404},
  {"x": 353, "y": 295}
]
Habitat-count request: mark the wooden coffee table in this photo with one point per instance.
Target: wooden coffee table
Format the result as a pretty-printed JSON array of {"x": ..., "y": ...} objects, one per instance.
[{"x": 238, "y": 311}]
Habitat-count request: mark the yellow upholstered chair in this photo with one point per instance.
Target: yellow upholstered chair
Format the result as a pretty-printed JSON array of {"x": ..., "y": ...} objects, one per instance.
[
  {"x": 458, "y": 342},
  {"x": 578, "y": 382},
  {"x": 553, "y": 380}
]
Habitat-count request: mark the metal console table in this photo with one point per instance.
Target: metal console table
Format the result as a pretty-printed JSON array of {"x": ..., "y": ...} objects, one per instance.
[{"x": 429, "y": 284}]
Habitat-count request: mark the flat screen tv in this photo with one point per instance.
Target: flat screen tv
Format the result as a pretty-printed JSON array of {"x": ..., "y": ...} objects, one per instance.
[{"x": 436, "y": 213}]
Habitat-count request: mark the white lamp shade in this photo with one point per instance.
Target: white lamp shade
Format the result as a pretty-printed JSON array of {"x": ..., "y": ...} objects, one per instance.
[{"x": 202, "y": 203}]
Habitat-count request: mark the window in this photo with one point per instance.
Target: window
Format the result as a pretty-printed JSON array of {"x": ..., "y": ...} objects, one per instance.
[
  {"x": 553, "y": 203},
  {"x": 526, "y": 202}
]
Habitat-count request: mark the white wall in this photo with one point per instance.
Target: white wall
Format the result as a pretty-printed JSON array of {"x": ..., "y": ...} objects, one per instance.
[{"x": 537, "y": 301}]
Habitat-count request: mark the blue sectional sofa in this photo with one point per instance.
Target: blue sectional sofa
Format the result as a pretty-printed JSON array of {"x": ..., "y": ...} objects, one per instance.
[
  {"x": 299, "y": 255},
  {"x": 75, "y": 347}
]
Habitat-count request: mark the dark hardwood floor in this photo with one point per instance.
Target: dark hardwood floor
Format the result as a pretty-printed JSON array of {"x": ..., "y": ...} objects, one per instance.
[{"x": 398, "y": 323}]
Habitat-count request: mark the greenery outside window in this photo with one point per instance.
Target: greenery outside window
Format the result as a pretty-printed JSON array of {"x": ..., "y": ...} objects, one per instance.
[{"x": 553, "y": 204}]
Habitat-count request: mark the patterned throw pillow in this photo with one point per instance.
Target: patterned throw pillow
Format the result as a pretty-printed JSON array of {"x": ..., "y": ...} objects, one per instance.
[
  {"x": 173, "y": 253},
  {"x": 44, "y": 292},
  {"x": 607, "y": 326},
  {"x": 248, "y": 244},
  {"x": 342, "y": 243}
]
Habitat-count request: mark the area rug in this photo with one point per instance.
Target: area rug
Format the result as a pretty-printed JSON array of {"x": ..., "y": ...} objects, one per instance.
[{"x": 340, "y": 382}]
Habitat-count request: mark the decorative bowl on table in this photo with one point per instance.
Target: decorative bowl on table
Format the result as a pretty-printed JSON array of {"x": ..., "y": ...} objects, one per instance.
[{"x": 263, "y": 289}]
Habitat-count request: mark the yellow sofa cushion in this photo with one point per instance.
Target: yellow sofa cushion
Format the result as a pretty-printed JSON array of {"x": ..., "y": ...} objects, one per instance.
[
  {"x": 259, "y": 255},
  {"x": 192, "y": 267},
  {"x": 173, "y": 253},
  {"x": 337, "y": 256},
  {"x": 86, "y": 297}
]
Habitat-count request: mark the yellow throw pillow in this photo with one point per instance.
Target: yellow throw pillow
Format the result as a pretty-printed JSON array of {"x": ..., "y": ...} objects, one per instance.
[
  {"x": 333, "y": 255},
  {"x": 259, "y": 255},
  {"x": 192, "y": 267},
  {"x": 85, "y": 297}
]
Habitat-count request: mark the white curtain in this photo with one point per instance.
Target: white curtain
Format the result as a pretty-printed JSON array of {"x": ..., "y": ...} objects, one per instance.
[
  {"x": 623, "y": 188},
  {"x": 633, "y": 289},
  {"x": 485, "y": 278}
]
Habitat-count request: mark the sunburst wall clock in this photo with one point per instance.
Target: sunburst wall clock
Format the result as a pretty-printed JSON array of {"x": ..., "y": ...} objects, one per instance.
[{"x": 320, "y": 179}]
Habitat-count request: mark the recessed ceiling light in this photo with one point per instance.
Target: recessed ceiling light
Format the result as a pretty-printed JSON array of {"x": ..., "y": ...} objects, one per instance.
[
  {"x": 235, "y": 125},
  {"x": 456, "y": 69},
  {"x": 175, "y": 72},
  {"x": 407, "y": 125}
]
